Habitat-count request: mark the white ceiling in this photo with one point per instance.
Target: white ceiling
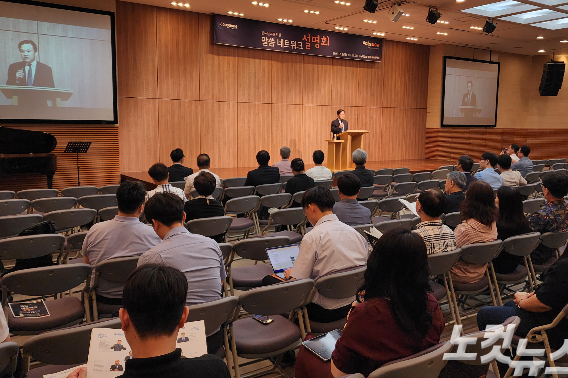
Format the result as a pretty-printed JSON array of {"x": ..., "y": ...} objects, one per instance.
[{"x": 509, "y": 36}]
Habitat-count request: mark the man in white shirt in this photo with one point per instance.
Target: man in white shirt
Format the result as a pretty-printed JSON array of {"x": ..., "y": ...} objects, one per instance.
[
  {"x": 510, "y": 177},
  {"x": 160, "y": 176},
  {"x": 329, "y": 247},
  {"x": 319, "y": 172},
  {"x": 203, "y": 163},
  {"x": 512, "y": 152}
]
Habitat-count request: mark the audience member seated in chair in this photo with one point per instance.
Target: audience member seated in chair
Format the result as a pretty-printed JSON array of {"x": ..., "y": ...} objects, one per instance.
[
  {"x": 177, "y": 171},
  {"x": 159, "y": 174},
  {"x": 359, "y": 159},
  {"x": 123, "y": 236},
  {"x": 512, "y": 152},
  {"x": 204, "y": 206},
  {"x": 394, "y": 316},
  {"x": 524, "y": 165},
  {"x": 284, "y": 165},
  {"x": 152, "y": 314},
  {"x": 437, "y": 236},
  {"x": 330, "y": 246},
  {"x": 203, "y": 163},
  {"x": 487, "y": 174},
  {"x": 349, "y": 210},
  {"x": 465, "y": 165},
  {"x": 455, "y": 183},
  {"x": 510, "y": 177},
  {"x": 535, "y": 309},
  {"x": 553, "y": 216},
  {"x": 319, "y": 172},
  {"x": 300, "y": 182},
  {"x": 479, "y": 215},
  {"x": 264, "y": 174},
  {"x": 512, "y": 222}
]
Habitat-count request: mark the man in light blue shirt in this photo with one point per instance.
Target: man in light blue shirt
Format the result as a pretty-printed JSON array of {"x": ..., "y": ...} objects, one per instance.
[
  {"x": 524, "y": 165},
  {"x": 486, "y": 164}
]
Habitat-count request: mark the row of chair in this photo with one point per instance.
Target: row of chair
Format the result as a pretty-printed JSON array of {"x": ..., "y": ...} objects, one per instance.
[{"x": 76, "y": 191}]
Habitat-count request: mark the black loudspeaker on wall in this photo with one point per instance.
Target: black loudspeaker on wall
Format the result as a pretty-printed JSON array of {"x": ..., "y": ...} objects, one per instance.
[{"x": 552, "y": 76}]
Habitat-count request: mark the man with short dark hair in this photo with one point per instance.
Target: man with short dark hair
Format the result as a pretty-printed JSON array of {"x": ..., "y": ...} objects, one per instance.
[
  {"x": 553, "y": 216},
  {"x": 284, "y": 164},
  {"x": 437, "y": 236},
  {"x": 204, "y": 206},
  {"x": 512, "y": 152},
  {"x": 319, "y": 172},
  {"x": 524, "y": 165},
  {"x": 203, "y": 163},
  {"x": 30, "y": 72},
  {"x": 300, "y": 182},
  {"x": 339, "y": 125},
  {"x": 349, "y": 210},
  {"x": 465, "y": 165},
  {"x": 455, "y": 182},
  {"x": 177, "y": 171},
  {"x": 510, "y": 177},
  {"x": 264, "y": 174},
  {"x": 487, "y": 163},
  {"x": 123, "y": 236},
  {"x": 159, "y": 174},
  {"x": 365, "y": 176}
]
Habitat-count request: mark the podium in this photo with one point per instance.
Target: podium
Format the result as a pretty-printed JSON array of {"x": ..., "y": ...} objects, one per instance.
[
  {"x": 470, "y": 111},
  {"x": 24, "y": 95},
  {"x": 353, "y": 140},
  {"x": 334, "y": 149}
]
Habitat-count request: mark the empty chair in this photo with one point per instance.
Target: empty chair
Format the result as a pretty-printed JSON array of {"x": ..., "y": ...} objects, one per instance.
[
  {"x": 403, "y": 189},
  {"x": 46, "y": 205},
  {"x": 340, "y": 173},
  {"x": 178, "y": 184},
  {"x": 440, "y": 264},
  {"x": 234, "y": 181},
  {"x": 398, "y": 171},
  {"x": 243, "y": 205},
  {"x": 284, "y": 178},
  {"x": 372, "y": 205},
  {"x": 365, "y": 192},
  {"x": 388, "y": 205},
  {"x": 108, "y": 189},
  {"x": 532, "y": 177},
  {"x": 402, "y": 177},
  {"x": 561, "y": 171},
  {"x": 271, "y": 201},
  {"x": 533, "y": 205},
  {"x": 31, "y": 247},
  {"x": 210, "y": 227},
  {"x": 290, "y": 218},
  {"x": 421, "y": 176},
  {"x": 33, "y": 194},
  {"x": 556, "y": 166},
  {"x": 383, "y": 171},
  {"x": 297, "y": 197},
  {"x": 217, "y": 193},
  {"x": 98, "y": 201},
  {"x": 13, "y": 206},
  {"x": 79, "y": 191},
  {"x": 68, "y": 219},
  {"x": 439, "y": 174},
  {"x": 448, "y": 167},
  {"x": 396, "y": 223},
  {"x": 238, "y": 191},
  {"x": 267, "y": 189},
  {"x": 382, "y": 184},
  {"x": 335, "y": 194},
  {"x": 12, "y": 225},
  {"x": 7, "y": 194},
  {"x": 108, "y": 213},
  {"x": 527, "y": 190},
  {"x": 382, "y": 180},
  {"x": 452, "y": 219},
  {"x": 325, "y": 183},
  {"x": 428, "y": 184},
  {"x": 544, "y": 174}
]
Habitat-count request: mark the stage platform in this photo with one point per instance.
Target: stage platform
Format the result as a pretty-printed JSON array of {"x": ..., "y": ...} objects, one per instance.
[{"x": 418, "y": 165}]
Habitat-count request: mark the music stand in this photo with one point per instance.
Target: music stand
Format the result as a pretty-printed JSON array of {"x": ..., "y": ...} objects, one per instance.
[{"x": 77, "y": 148}]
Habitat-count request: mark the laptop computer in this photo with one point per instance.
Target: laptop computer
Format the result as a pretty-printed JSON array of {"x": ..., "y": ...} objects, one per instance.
[{"x": 282, "y": 258}]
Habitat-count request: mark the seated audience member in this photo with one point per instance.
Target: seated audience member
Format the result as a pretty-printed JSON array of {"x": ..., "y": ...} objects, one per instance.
[
  {"x": 151, "y": 317},
  {"x": 349, "y": 210},
  {"x": 359, "y": 159},
  {"x": 510, "y": 177},
  {"x": 319, "y": 172},
  {"x": 394, "y": 317},
  {"x": 300, "y": 182},
  {"x": 512, "y": 152},
  {"x": 159, "y": 174},
  {"x": 264, "y": 174},
  {"x": 465, "y": 165},
  {"x": 204, "y": 206},
  {"x": 487, "y": 164},
  {"x": 203, "y": 163},
  {"x": 479, "y": 215},
  {"x": 524, "y": 165},
  {"x": 123, "y": 236},
  {"x": 553, "y": 216},
  {"x": 177, "y": 171},
  {"x": 437, "y": 236},
  {"x": 336, "y": 245},
  {"x": 512, "y": 222},
  {"x": 284, "y": 164},
  {"x": 455, "y": 183}
]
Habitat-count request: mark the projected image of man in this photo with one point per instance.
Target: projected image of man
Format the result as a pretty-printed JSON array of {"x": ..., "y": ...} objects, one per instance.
[
  {"x": 29, "y": 72},
  {"x": 468, "y": 98}
]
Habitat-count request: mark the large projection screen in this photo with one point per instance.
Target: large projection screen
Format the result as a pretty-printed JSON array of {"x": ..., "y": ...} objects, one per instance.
[
  {"x": 57, "y": 64},
  {"x": 470, "y": 90}
]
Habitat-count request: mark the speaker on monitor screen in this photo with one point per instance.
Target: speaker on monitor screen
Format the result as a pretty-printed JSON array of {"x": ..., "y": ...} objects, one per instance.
[{"x": 552, "y": 76}]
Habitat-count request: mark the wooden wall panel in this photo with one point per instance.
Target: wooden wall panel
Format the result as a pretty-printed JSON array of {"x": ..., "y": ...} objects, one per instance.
[
  {"x": 218, "y": 137},
  {"x": 254, "y": 132},
  {"x": 371, "y": 77},
  {"x": 179, "y": 127},
  {"x": 344, "y": 83},
  {"x": 312, "y": 135},
  {"x": 317, "y": 80},
  {"x": 136, "y": 50},
  {"x": 287, "y": 123},
  {"x": 254, "y": 76},
  {"x": 287, "y": 78},
  {"x": 178, "y": 65},
  {"x": 402, "y": 134}
]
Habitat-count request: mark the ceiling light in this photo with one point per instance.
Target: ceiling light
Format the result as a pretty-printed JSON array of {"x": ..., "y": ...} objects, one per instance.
[
  {"x": 341, "y": 28},
  {"x": 540, "y": 37},
  {"x": 489, "y": 26},
  {"x": 475, "y": 28},
  {"x": 407, "y": 14},
  {"x": 186, "y": 5},
  {"x": 174, "y": 3},
  {"x": 412, "y": 38},
  {"x": 383, "y": 34},
  {"x": 433, "y": 15},
  {"x": 261, "y": 4},
  {"x": 564, "y": 41},
  {"x": 540, "y": 51},
  {"x": 460, "y": 1},
  {"x": 408, "y": 27},
  {"x": 285, "y": 20},
  {"x": 311, "y": 11},
  {"x": 441, "y": 33},
  {"x": 236, "y": 13},
  {"x": 370, "y": 21},
  {"x": 442, "y": 22}
]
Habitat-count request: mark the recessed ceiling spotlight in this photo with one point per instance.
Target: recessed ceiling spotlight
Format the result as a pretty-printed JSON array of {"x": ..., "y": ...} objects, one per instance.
[
  {"x": 383, "y": 34},
  {"x": 174, "y": 3},
  {"x": 261, "y": 4},
  {"x": 370, "y": 21},
  {"x": 235, "y": 13},
  {"x": 442, "y": 22},
  {"x": 540, "y": 37},
  {"x": 540, "y": 51},
  {"x": 441, "y": 33},
  {"x": 460, "y": 1},
  {"x": 408, "y": 27},
  {"x": 564, "y": 41},
  {"x": 285, "y": 20},
  {"x": 311, "y": 11},
  {"x": 407, "y": 14},
  {"x": 475, "y": 28},
  {"x": 342, "y": 2},
  {"x": 341, "y": 28},
  {"x": 412, "y": 38}
]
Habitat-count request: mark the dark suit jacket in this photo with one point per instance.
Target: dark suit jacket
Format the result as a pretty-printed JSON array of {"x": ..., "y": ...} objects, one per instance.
[
  {"x": 299, "y": 183},
  {"x": 178, "y": 172},
  {"x": 365, "y": 175},
  {"x": 263, "y": 175},
  {"x": 473, "y": 101},
  {"x": 199, "y": 209},
  {"x": 116, "y": 367},
  {"x": 43, "y": 76},
  {"x": 335, "y": 129},
  {"x": 454, "y": 201}
]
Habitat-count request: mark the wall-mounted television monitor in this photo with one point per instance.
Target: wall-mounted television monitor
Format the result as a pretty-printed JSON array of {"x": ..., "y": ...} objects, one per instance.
[
  {"x": 57, "y": 64},
  {"x": 469, "y": 93}
]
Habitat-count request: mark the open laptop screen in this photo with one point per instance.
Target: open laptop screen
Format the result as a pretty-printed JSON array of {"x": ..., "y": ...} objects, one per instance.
[{"x": 282, "y": 258}]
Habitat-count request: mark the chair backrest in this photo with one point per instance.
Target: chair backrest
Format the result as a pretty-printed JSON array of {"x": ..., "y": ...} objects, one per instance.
[
  {"x": 527, "y": 190},
  {"x": 226, "y": 249},
  {"x": 421, "y": 176},
  {"x": 481, "y": 253},
  {"x": 75, "y": 241},
  {"x": 544, "y": 174},
  {"x": 7, "y": 194},
  {"x": 215, "y": 313},
  {"x": 255, "y": 249},
  {"x": 398, "y": 171},
  {"x": 561, "y": 171},
  {"x": 448, "y": 167},
  {"x": 365, "y": 192},
  {"x": 13, "y": 206},
  {"x": 178, "y": 184},
  {"x": 441, "y": 263},
  {"x": 396, "y": 223},
  {"x": 54, "y": 279},
  {"x": 340, "y": 173},
  {"x": 452, "y": 219},
  {"x": 79, "y": 191},
  {"x": 341, "y": 285},
  {"x": 383, "y": 171},
  {"x": 109, "y": 189},
  {"x": 382, "y": 179},
  {"x": 554, "y": 239},
  {"x": 426, "y": 364},
  {"x": 267, "y": 189},
  {"x": 116, "y": 270},
  {"x": 234, "y": 181},
  {"x": 217, "y": 192},
  {"x": 532, "y": 177},
  {"x": 298, "y": 196},
  {"x": 98, "y": 201},
  {"x": 391, "y": 205},
  {"x": 475, "y": 167},
  {"x": 533, "y": 205},
  {"x": 46, "y": 205},
  {"x": 291, "y": 216},
  {"x": 277, "y": 299},
  {"x": 405, "y": 188},
  {"x": 402, "y": 177},
  {"x": 556, "y": 166},
  {"x": 12, "y": 225},
  {"x": 65, "y": 219},
  {"x": 362, "y": 228},
  {"x": 370, "y": 204},
  {"x": 28, "y": 247},
  {"x": 33, "y": 194},
  {"x": 238, "y": 191},
  {"x": 242, "y": 204},
  {"x": 439, "y": 174},
  {"x": 276, "y": 200},
  {"x": 325, "y": 183},
  {"x": 67, "y": 346},
  {"x": 335, "y": 194},
  {"x": 108, "y": 213},
  {"x": 537, "y": 168},
  {"x": 209, "y": 226},
  {"x": 8, "y": 356},
  {"x": 521, "y": 245},
  {"x": 285, "y": 178},
  {"x": 428, "y": 184}
]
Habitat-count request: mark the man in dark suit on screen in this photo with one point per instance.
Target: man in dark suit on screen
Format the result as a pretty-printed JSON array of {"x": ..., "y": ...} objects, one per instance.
[
  {"x": 468, "y": 98},
  {"x": 339, "y": 125},
  {"x": 29, "y": 72}
]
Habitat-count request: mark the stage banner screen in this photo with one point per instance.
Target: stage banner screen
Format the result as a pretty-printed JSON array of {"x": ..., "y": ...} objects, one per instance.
[{"x": 241, "y": 32}]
